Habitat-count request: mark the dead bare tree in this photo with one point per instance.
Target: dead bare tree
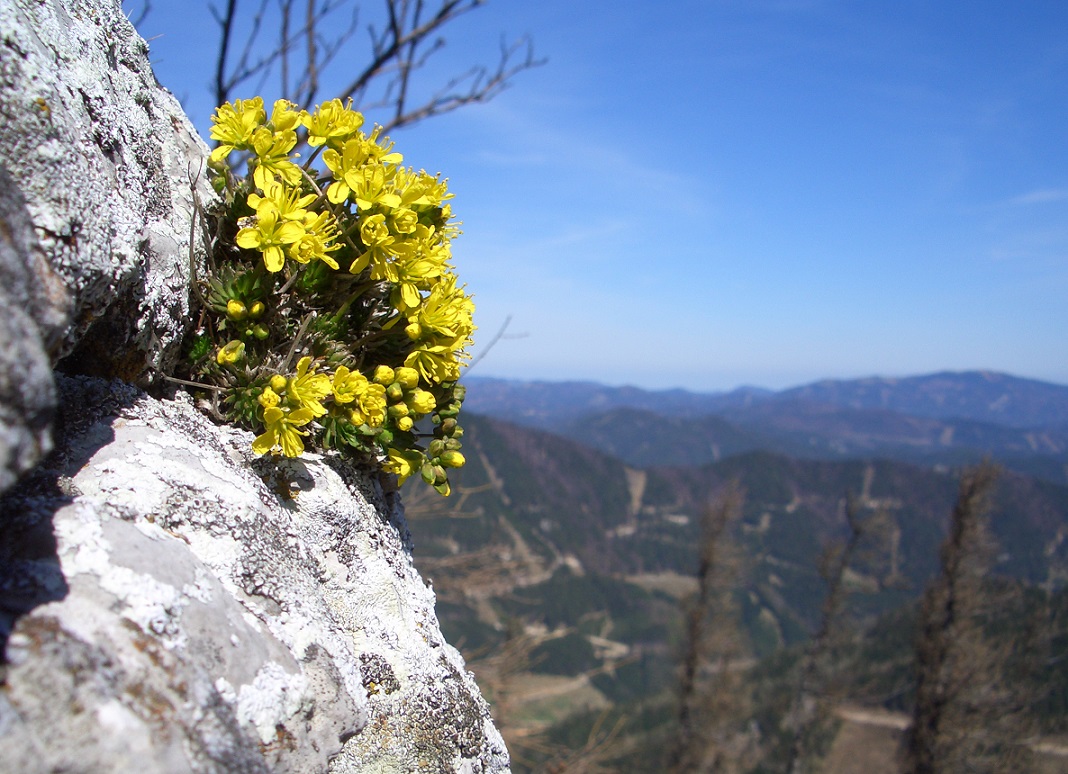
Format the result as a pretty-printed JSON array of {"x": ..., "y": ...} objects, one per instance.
[
  {"x": 288, "y": 40},
  {"x": 811, "y": 700},
  {"x": 712, "y": 699},
  {"x": 967, "y": 717}
]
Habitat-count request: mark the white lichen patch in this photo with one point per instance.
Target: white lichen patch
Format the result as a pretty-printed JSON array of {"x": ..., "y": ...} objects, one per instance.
[
  {"x": 272, "y": 698},
  {"x": 81, "y": 546}
]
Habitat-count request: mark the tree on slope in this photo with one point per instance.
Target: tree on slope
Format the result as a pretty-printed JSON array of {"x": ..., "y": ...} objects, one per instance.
[{"x": 968, "y": 717}]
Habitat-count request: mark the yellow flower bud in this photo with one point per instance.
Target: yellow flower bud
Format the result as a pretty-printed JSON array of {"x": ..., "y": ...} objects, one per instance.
[
  {"x": 256, "y": 310},
  {"x": 278, "y": 383},
  {"x": 398, "y": 410},
  {"x": 452, "y": 459},
  {"x": 384, "y": 376},
  {"x": 230, "y": 353},
  {"x": 405, "y": 423},
  {"x": 235, "y": 310},
  {"x": 414, "y": 331},
  {"x": 408, "y": 377},
  {"x": 421, "y": 401}
]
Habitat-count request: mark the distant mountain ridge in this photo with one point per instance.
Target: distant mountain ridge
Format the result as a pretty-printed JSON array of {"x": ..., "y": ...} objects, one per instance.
[
  {"x": 981, "y": 396},
  {"x": 939, "y": 419}
]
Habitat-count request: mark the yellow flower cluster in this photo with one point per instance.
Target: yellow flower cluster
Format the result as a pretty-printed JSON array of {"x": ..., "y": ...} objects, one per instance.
[
  {"x": 354, "y": 261},
  {"x": 396, "y": 219}
]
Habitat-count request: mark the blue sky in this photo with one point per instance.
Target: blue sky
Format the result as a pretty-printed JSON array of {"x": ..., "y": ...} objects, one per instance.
[{"x": 709, "y": 194}]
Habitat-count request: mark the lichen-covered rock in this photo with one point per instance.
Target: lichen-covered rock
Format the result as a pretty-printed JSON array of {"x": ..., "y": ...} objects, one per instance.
[
  {"x": 106, "y": 162},
  {"x": 194, "y": 608}
]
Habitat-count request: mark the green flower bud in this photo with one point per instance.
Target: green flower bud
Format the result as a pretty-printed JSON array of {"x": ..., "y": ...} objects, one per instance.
[
  {"x": 452, "y": 444},
  {"x": 459, "y": 392},
  {"x": 260, "y": 332},
  {"x": 395, "y": 392},
  {"x": 398, "y": 410},
  {"x": 385, "y": 437},
  {"x": 437, "y": 446},
  {"x": 448, "y": 425},
  {"x": 427, "y": 472}
]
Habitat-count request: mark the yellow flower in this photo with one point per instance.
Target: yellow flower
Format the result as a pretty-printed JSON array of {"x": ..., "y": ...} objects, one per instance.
[
  {"x": 382, "y": 152},
  {"x": 373, "y": 231},
  {"x": 370, "y": 406},
  {"x": 288, "y": 203},
  {"x": 230, "y": 353},
  {"x": 332, "y": 123},
  {"x": 269, "y": 236},
  {"x": 307, "y": 388},
  {"x": 345, "y": 167},
  {"x": 285, "y": 116},
  {"x": 272, "y": 157},
  {"x": 348, "y": 385},
  {"x": 282, "y": 431},
  {"x": 234, "y": 124},
  {"x": 446, "y": 313},
  {"x": 404, "y": 220},
  {"x": 320, "y": 231},
  {"x": 269, "y": 398},
  {"x": 434, "y": 363},
  {"x": 403, "y": 462},
  {"x": 371, "y": 187}
]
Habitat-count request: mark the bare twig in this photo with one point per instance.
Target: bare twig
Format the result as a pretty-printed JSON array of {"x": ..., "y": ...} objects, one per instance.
[
  {"x": 146, "y": 6},
  {"x": 493, "y": 342}
]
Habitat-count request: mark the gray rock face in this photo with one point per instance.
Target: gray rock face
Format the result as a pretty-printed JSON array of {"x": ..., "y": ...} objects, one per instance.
[
  {"x": 105, "y": 159},
  {"x": 206, "y": 610},
  {"x": 100, "y": 162}
]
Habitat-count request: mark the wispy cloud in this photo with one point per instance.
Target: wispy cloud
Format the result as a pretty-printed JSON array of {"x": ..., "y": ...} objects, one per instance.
[{"x": 1040, "y": 196}]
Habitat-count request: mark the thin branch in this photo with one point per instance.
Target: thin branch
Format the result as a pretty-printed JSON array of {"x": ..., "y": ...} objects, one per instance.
[
  {"x": 311, "y": 70},
  {"x": 226, "y": 21},
  {"x": 384, "y": 51},
  {"x": 146, "y": 6},
  {"x": 284, "y": 43}
]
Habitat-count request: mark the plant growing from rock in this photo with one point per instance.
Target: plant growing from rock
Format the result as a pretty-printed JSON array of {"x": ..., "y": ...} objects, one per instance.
[{"x": 331, "y": 314}]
